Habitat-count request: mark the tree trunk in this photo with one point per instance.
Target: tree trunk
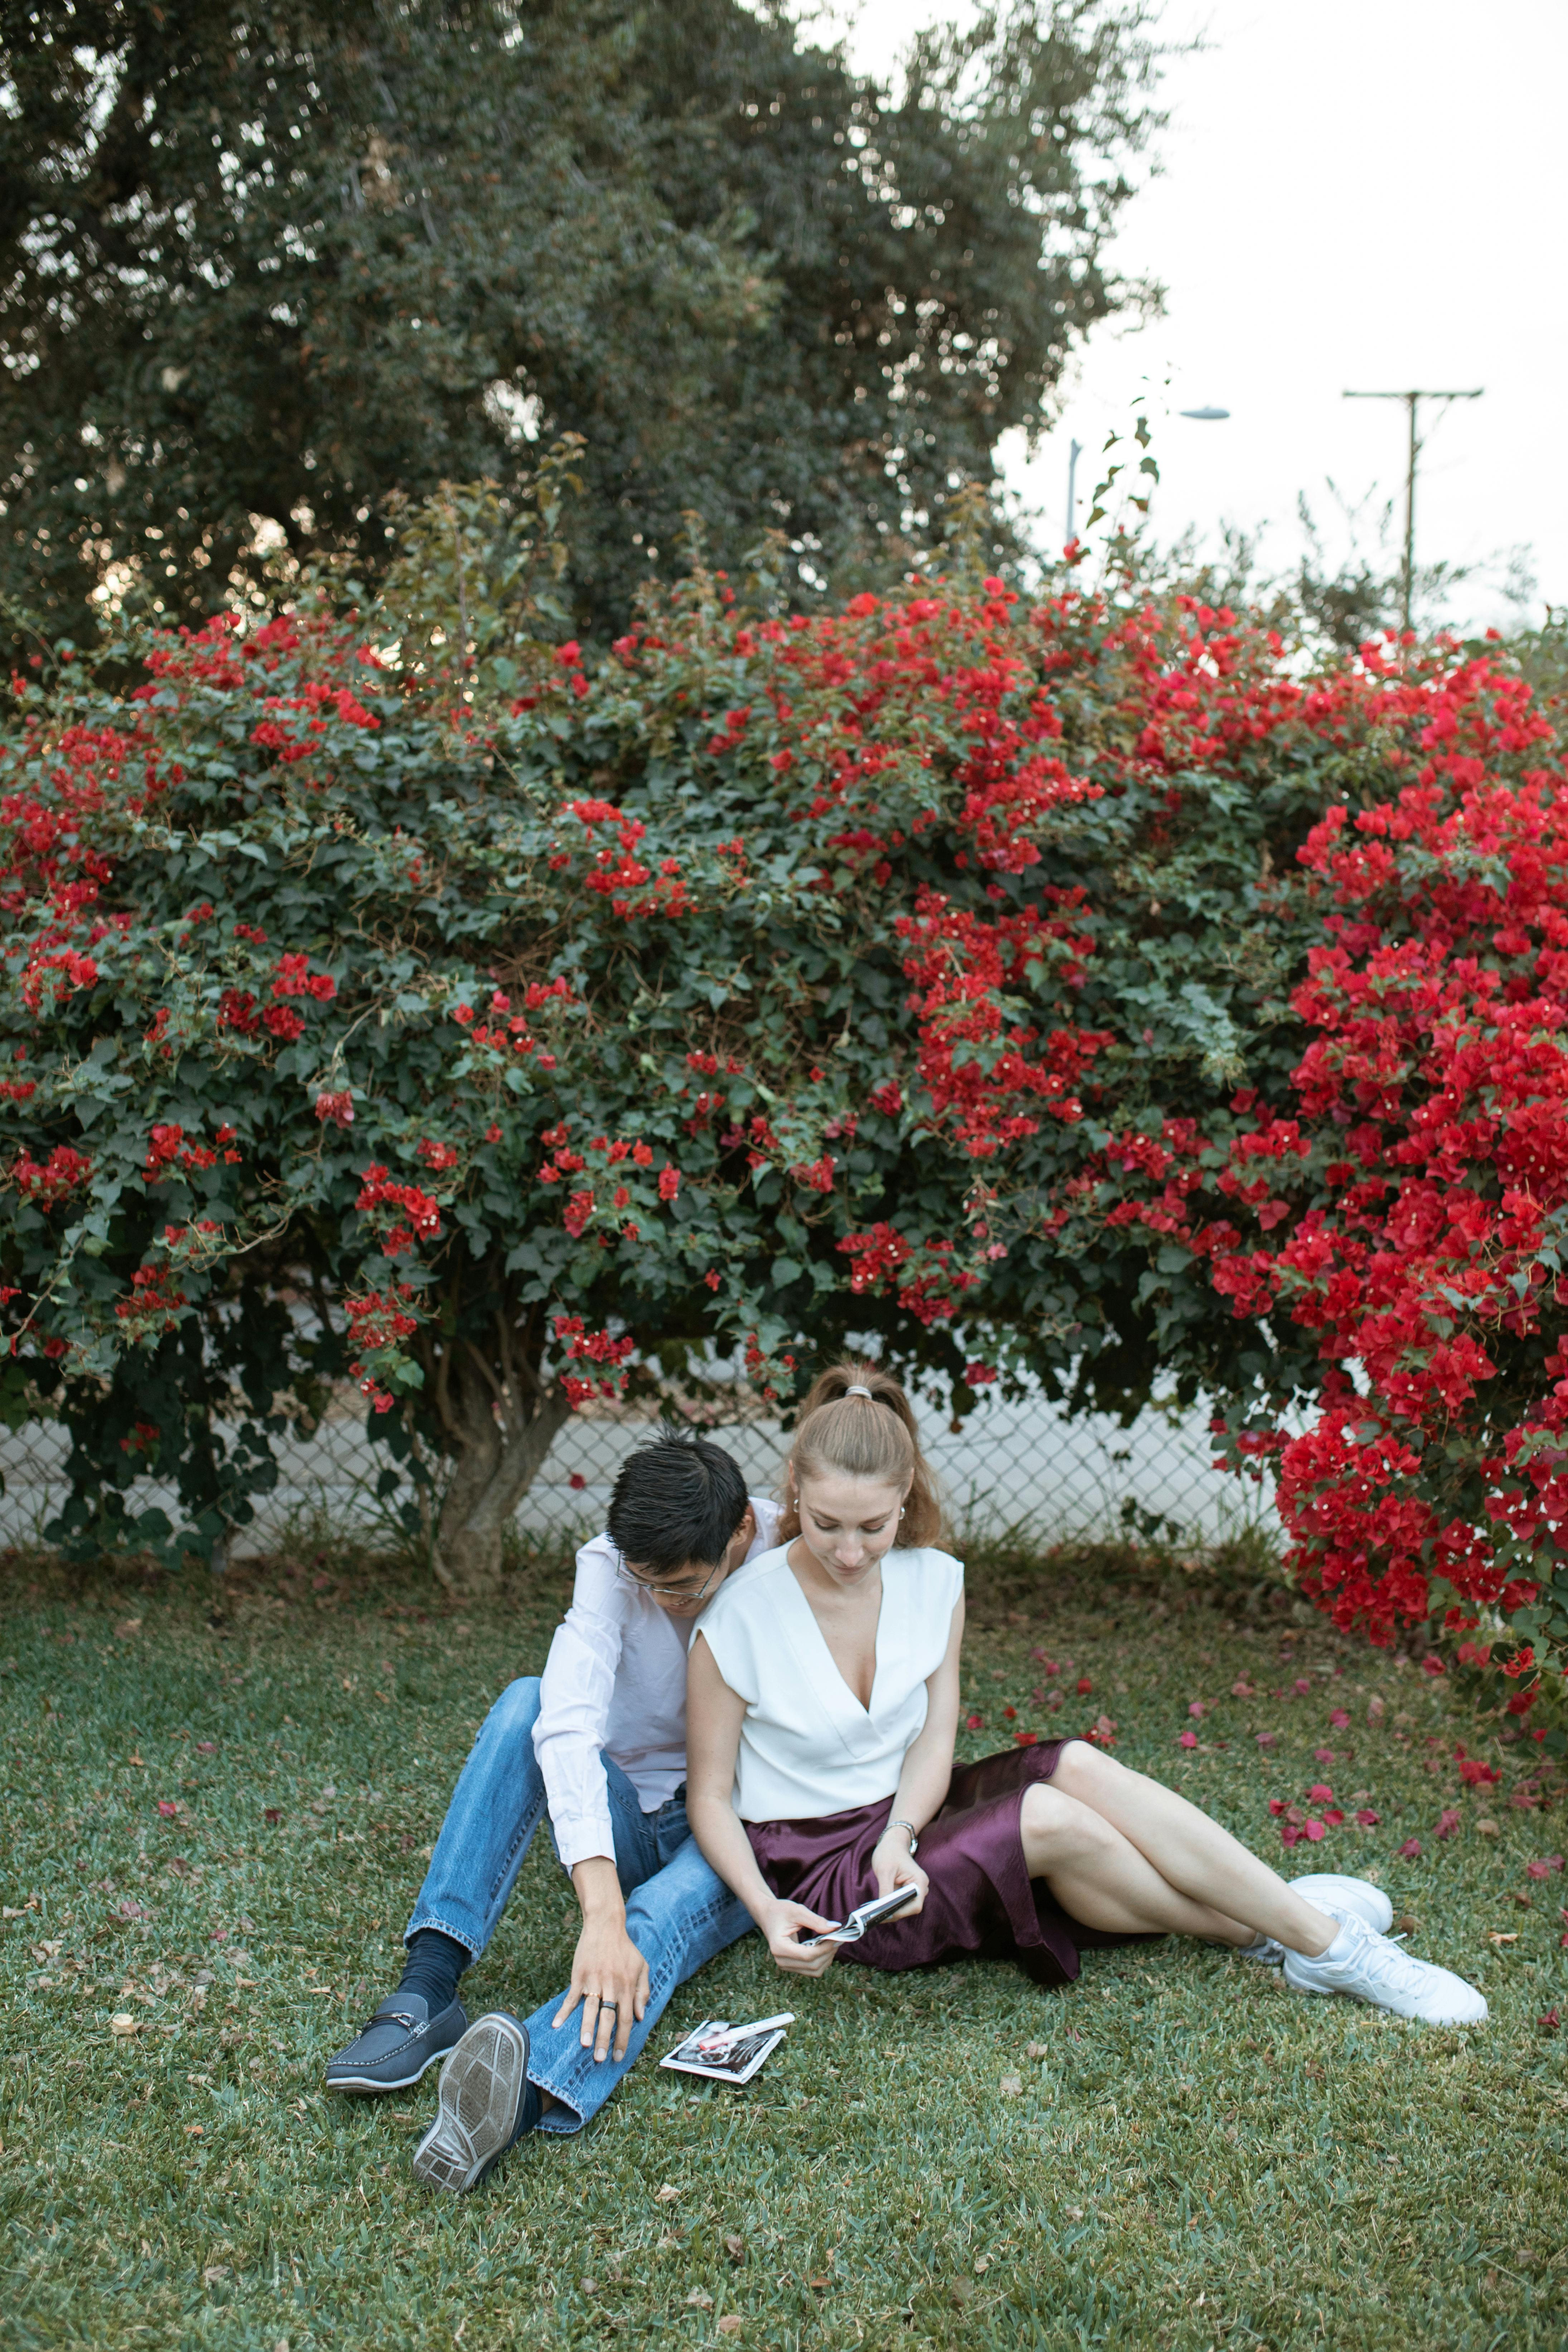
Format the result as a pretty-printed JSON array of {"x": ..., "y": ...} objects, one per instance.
[{"x": 499, "y": 1439}]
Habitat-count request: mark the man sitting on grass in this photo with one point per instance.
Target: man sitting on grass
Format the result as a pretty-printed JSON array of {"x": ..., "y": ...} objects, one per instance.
[{"x": 600, "y": 1742}]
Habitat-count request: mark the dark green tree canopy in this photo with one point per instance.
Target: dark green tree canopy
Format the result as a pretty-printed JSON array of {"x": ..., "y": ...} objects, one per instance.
[{"x": 265, "y": 271}]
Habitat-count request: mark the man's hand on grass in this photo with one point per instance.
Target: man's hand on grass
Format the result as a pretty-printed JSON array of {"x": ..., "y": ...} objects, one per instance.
[{"x": 609, "y": 1975}]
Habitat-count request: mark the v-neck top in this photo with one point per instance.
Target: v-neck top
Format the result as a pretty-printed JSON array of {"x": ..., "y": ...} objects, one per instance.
[{"x": 808, "y": 1746}]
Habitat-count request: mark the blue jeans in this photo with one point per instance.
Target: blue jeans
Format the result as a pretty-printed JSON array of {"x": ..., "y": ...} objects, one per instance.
[{"x": 679, "y": 1913}]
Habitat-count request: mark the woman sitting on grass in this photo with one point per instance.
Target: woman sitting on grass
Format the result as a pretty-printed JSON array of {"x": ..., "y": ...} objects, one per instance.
[{"x": 822, "y": 1702}]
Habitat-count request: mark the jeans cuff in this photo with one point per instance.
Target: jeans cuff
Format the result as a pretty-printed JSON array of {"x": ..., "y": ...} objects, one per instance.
[
  {"x": 464, "y": 1936},
  {"x": 561, "y": 2120}
]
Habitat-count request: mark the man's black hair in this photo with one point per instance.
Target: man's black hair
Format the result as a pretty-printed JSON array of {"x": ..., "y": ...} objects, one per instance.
[{"x": 677, "y": 1503}]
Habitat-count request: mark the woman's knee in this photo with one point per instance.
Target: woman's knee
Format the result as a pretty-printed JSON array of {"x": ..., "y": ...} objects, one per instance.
[
  {"x": 1058, "y": 1826},
  {"x": 1086, "y": 1772}
]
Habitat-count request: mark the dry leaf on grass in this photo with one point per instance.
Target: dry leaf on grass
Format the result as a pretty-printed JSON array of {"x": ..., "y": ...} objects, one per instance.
[
  {"x": 1011, "y": 2086},
  {"x": 1037, "y": 2050},
  {"x": 736, "y": 2249},
  {"x": 700, "y": 2298},
  {"x": 731, "y": 2323},
  {"x": 122, "y": 2024},
  {"x": 667, "y": 2195}
]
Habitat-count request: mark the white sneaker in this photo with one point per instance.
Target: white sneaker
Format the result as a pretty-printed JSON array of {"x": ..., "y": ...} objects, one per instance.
[
  {"x": 1326, "y": 1891},
  {"x": 1370, "y": 1968}
]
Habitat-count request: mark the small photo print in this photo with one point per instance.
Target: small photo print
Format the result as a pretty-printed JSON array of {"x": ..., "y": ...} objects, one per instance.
[{"x": 732, "y": 2061}]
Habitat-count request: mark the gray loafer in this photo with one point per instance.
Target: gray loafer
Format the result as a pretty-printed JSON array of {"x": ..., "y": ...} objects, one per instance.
[{"x": 396, "y": 2047}]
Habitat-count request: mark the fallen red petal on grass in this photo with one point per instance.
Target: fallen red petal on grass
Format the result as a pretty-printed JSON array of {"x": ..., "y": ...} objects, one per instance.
[
  {"x": 973, "y": 1722},
  {"x": 1367, "y": 1818},
  {"x": 1340, "y": 1719},
  {"x": 166, "y": 1809},
  {"x": 1084, "y": 1685},
  {"x": 1551, "y": 2021},
  {"x": 1314, "y": 1831},
  {"x": 1025, "y": 1739},
  {"x": 1411, "y": 1850},
  {"x": 1187, "y": 1739},
  {"x": 1322, "y": 1754},
  {"x": 1447, "y": 1821},
  {"x": 1544, "y": 1869}
]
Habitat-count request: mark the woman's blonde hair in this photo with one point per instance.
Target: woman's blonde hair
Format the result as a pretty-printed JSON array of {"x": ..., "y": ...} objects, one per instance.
[{"x": 871, "y": 1436}]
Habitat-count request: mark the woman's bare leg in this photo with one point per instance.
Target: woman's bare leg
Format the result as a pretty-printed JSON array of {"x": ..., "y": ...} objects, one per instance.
[
  {"x": 1190, "y": 1851},
  {"x": 1100, "y": 1878}
]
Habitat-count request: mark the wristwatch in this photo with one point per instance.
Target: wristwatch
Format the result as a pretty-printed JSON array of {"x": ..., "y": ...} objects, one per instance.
[{"x": 914, "y": 1842}]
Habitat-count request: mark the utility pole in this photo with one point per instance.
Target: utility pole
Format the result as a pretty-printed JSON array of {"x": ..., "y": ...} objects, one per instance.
[
  {"x": 1411, "y": 403},
  {"x": 1075, "y": 451}
]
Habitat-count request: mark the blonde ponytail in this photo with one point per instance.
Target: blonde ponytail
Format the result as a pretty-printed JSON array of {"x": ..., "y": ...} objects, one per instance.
[{"x": 870, "y": 1434}]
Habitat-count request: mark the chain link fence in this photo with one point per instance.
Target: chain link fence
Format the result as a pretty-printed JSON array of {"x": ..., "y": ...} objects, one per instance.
[{"x": 1020, "y": 1470}]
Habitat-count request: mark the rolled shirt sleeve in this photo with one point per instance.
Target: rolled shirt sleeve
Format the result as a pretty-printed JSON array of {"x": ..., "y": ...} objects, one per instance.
[{"x": 575, "y": 1693}]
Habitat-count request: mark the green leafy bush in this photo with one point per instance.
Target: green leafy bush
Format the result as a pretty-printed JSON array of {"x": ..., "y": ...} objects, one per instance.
[{"x": 997, "y": 983}]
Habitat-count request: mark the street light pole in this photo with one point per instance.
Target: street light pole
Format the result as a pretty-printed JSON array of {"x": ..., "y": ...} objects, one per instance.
[{"x": 1411, "y": 403}]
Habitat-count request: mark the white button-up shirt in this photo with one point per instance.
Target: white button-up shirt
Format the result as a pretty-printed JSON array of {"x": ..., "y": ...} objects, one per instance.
[{"x": 614, "y": 1685}]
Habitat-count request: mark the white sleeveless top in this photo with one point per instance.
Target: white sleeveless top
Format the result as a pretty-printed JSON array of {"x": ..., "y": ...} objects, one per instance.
[{"x": 808, "y": 1746}]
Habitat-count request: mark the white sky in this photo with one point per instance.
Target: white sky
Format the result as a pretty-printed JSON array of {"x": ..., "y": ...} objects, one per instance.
[{"x": 1352, "y": 195}]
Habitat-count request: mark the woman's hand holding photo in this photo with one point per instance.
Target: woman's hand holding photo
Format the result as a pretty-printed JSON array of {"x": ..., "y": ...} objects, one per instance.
[
  {"x": 895, "y": 1865},
  {"x": 783, "y": 1924}
]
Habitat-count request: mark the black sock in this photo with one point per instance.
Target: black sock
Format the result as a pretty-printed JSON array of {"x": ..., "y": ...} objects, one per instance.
[{"x": 434, "y": 1963}]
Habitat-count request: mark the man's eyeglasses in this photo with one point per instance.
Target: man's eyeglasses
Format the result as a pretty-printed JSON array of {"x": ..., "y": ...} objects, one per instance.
[{"x": 662, "y": 1592}]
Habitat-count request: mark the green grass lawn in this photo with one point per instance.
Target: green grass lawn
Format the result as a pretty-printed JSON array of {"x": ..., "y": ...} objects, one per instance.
[{"x": 1177, "y": 2151}]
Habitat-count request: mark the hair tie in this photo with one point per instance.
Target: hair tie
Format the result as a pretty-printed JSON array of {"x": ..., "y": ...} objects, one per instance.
[{"x": 855, "y": 1389}]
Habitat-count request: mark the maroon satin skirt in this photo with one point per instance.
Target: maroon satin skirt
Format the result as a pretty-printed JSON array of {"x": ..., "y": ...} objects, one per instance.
[{"x": 982, "y": 1904}]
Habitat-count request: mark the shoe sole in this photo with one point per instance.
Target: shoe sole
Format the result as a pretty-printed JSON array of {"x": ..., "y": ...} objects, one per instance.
[
  {"x": 380, "y": 2083},
  {"x": 483, "y": 2084}
]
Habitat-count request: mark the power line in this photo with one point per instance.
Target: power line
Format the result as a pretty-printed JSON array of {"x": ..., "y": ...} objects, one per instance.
[{"x": 1411, "y": 403}]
